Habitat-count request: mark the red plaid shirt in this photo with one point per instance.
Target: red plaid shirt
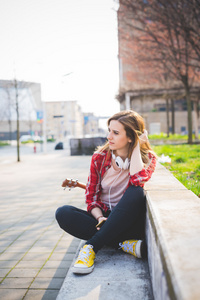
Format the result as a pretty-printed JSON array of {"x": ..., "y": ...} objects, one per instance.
[{"x": 100, "y": 163}]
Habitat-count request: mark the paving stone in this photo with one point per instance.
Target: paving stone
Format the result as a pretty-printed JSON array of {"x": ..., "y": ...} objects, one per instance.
[
  {"x": 23, "y": 273},
  {"x": 63, "y": 256},
  {"x": 3, "y": 272},
  {"x": 12, "y": 248},
  {"x": 68, "y": 256},
  {"x": 61, "y": 249},
  {"x": 4, "y": 243},
  {"x": 26, "y": 243},
  {"x": 48, "y": 243},
  {"x": 12, "y": 294},
  {"x": 57, "y": 264},
  {"x": 16, "y": 283},
  {"x": 6, "y": 256},
  {"x": 8, "y": 264},
  {"x": 36, "y": 256},
  {"x": 10, "y": 236},
  {"x": 53, "y": 273},
  {"x": 47, "y": 283},
  {"x": 41, "y": 294},
  {"x": 25, "y": 264},
  {"x": 41, "y": 249}
]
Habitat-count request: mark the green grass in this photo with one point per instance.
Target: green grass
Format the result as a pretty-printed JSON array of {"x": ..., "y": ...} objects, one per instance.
[
  {"x": 31, "y": 142},
  {"x": 185, "y": 164},
  {"x": 51, "y": 140},
  {"x": 2, "y": 143},
  {"x": 164, "y": 136}
]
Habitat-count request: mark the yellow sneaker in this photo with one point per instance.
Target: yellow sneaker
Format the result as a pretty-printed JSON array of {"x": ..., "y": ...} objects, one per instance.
[
  {"x": 85, "y": 261},
  {"x": 132, "y": 247}
]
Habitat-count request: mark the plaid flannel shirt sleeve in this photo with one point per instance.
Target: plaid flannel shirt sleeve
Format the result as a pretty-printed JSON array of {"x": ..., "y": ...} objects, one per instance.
[
  {"x": 145, "y": 174},
  {"x": 93, "y": 187}
]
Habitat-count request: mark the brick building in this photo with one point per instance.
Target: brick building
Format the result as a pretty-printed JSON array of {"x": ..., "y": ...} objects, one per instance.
[{"x": 159, "y": 101}]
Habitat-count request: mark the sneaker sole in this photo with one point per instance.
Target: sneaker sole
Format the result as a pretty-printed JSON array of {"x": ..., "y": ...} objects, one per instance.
[
  {"x": 138, "y": 249},
  {"x": 82, "y": 270}
]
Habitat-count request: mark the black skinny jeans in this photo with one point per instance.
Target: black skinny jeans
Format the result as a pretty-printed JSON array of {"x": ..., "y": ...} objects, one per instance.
[{"x": 125, "y": 222}]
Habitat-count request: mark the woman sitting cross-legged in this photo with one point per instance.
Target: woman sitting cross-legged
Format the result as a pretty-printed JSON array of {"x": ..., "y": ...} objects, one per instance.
[{"x": 114, "y": 193}]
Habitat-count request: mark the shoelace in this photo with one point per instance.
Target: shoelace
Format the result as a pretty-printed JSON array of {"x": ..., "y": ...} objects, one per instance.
[
  {"x": 127, "y": 247},
  {"x": 84, "y": 254}
]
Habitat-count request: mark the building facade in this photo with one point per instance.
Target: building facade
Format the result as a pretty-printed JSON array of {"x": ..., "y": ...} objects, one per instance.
[
  {"x": 27, "y": 95},
  {"x": 160, "y": 100},
  {"x": 64, "y": 119}
]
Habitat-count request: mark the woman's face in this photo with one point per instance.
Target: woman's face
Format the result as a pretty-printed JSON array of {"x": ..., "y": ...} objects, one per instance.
[{"x": 117, "y": 137}]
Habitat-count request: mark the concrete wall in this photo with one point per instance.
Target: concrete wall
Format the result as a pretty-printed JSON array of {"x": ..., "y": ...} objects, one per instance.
[
  {"x": 161, "y": 117},
  {"x": 173, "y": 230},
  {"x": 85, "y": 146}
]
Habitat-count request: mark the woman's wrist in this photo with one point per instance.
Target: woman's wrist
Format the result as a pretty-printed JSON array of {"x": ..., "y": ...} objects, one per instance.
[
  {"x": 97, "y": 213},
  {"x": 99, "y": 218}
]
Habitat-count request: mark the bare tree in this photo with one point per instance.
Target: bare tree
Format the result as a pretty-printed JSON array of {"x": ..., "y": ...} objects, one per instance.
[
  {"x": 17, "y": 113},
  {"x": 14, "y": 97},
  {"x": 189, "y": 23},
  {"x": 162, "y": 42}
]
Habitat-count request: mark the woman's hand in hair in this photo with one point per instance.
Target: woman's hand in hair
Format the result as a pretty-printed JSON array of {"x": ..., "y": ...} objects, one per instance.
[
  {"x": 143, "y": 138},
  {"x": 136, "y": 164}
]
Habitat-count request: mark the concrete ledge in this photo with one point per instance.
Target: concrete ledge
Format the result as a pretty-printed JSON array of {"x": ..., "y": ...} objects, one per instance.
[
  {"x": 116, "y": 275},
  {"x": 173, "y": 234}
]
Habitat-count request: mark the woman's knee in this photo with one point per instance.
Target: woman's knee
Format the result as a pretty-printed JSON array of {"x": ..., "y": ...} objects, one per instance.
[
  {"x": 135, "y": 192},
  {"x": 62, "y": 214},
  {"x": 133, "y": 197}
]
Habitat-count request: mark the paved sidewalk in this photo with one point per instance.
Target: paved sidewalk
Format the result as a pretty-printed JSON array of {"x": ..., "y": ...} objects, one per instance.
[{"x": 35, "y": 254}]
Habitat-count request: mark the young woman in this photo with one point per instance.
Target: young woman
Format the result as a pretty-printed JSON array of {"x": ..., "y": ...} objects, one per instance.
[{"x": 114, "y": 193}]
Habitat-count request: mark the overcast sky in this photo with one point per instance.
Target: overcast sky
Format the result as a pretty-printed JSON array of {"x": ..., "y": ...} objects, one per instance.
[{"x": 70, "y": 46}]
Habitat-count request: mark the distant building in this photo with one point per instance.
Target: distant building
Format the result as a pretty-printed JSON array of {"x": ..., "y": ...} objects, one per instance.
[
  {"x": 91, "y": 125},
  {"x": 66, "y": 119},
  {"x": 29, "y": 101},
  {"x": 63, "y": 119}
]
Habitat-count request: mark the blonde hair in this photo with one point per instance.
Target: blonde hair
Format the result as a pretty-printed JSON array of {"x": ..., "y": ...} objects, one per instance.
[{"x": 134, "y": 126}]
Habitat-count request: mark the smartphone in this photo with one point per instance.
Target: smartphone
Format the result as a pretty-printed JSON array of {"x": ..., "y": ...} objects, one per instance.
[{"x": 100, "y": 224}]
